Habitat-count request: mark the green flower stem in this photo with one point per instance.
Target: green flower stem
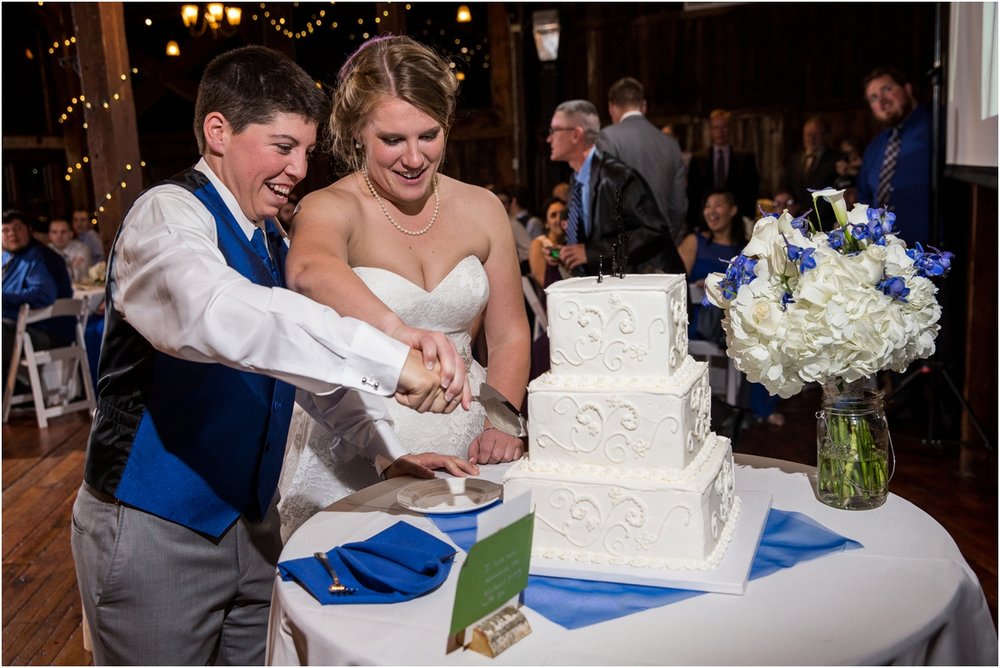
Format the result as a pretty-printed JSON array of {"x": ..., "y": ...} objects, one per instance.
[{"x": 852, "y": 464}]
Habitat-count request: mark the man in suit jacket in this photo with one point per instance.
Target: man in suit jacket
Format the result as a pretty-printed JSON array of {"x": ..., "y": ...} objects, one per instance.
[
  {"x": 815, "y": 168},
  {"x": 721, "y": 167},
  {"x": 639, "y": 144},
  {"x": 611, "y": 200}
]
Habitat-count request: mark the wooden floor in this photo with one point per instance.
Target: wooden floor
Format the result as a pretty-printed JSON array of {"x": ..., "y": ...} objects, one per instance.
[{"x": 42, "y": 469}]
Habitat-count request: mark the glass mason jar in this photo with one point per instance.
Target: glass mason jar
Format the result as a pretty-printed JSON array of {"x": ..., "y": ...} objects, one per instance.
[{"x": 853, "y": 447}]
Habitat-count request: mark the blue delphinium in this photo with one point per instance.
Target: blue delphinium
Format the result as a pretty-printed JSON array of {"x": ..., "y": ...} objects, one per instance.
[
  {"x": 803, "y": 257},
  {"x": 930, "y": 264},
  {"x": 894, "y": 286},
  {"x": 739, "y": 272}
]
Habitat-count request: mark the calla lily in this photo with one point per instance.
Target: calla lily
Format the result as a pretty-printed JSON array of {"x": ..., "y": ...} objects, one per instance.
[{"x": 836, "y": 199}]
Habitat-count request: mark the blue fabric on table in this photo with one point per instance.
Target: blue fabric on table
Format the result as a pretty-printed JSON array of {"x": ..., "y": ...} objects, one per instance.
[
  {"x": 789, "y": 537},
  {"x": 397, "y": 564}
]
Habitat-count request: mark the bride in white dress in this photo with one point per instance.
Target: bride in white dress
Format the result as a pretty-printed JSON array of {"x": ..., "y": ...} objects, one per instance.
[{"x": 407, "y": 249}]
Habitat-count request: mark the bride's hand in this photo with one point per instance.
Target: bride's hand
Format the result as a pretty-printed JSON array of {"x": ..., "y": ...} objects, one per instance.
[
  {"x": 493, "y": 446},
  {"x": 438, "y": 349},
  {"x": 422, "y": 465}
]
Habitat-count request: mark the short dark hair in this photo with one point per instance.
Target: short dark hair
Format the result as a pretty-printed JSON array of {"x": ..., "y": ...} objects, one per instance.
[
  {"x": 251, "y": 85},
  {"x": 626, "y": 92},
  {"x": 893, "y": 73},
  {"x": 11, "y": 215}
]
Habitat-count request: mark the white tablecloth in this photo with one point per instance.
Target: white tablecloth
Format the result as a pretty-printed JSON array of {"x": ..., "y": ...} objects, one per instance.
[{"x": 907, "y": 597}]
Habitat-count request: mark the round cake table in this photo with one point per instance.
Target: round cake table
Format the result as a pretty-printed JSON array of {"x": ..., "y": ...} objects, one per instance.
[{"x": 907, "y": 597}]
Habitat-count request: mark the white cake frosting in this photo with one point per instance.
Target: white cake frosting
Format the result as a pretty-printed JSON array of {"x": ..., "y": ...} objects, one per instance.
[{"x": 622, "y": 466}]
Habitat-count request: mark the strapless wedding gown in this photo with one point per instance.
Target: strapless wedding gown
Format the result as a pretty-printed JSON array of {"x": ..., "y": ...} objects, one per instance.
[{"x": 315, "y": 473}]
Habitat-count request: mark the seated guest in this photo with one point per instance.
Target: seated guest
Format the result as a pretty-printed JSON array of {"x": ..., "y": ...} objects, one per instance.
[
  {"x": 543, "y": 255},
  {"x": 74, "y": 252},
  {"x": 707, "y": 251},
  {"x": 86, "y": 233},
  {"x": 546, "y": 269},
  {"x": 32, "y": 275},
  {"x": 522, "y": 237}
]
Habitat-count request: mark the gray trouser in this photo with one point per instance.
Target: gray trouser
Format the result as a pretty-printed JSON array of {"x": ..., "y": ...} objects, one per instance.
[{"x": 155, "y": 592}]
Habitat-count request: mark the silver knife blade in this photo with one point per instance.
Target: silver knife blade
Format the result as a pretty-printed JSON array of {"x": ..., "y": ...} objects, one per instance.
[{"x": 501, "y": 412}]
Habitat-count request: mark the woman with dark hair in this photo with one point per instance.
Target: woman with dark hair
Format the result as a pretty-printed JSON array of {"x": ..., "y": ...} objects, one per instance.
[{"x": 709, "y": 250}]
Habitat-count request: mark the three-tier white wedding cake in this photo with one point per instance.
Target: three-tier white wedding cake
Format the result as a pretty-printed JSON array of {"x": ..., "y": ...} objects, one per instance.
[{"x": 624, "y": 470}]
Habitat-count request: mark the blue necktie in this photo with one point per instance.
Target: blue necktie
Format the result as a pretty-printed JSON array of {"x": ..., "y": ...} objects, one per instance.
[
  {"x": 257, "y": 241},
  {"x": 574, "y": 220}
]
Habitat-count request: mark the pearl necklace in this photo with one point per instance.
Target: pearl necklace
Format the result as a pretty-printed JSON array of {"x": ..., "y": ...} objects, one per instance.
[{"x": 437, "y": 207}]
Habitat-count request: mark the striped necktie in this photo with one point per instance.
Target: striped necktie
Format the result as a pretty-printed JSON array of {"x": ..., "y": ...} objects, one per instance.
[
  {"x": 884, "y": 193},
  {"x": 574, "y": 220},
  {"x": 257, "y": 241}
]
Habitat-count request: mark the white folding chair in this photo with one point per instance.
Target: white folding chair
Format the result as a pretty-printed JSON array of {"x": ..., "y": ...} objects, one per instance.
[
  {"x": 541, "y": 325},
  {"x": 723, "y": 376},
  {"x": 57, "y": 376}
]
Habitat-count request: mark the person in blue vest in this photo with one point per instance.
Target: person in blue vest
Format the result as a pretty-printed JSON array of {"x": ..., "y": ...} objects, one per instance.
[{"x": 175, "y": 529}]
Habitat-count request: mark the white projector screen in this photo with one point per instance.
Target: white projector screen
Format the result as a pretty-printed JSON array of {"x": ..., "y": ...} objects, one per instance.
[{"x": 971, "y": 135}]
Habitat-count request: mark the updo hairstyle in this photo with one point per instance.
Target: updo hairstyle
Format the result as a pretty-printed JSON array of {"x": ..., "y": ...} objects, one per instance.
[{"x": 388, "y": 66}]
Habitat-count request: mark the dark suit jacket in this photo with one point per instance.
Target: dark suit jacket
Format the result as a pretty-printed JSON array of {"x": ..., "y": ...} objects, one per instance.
[
  {"x": 822, "y": 175},
  {"x": 657, "y": 157},
  {"x": 651, "y": 247},
  {"x": 742, "y": 181}
]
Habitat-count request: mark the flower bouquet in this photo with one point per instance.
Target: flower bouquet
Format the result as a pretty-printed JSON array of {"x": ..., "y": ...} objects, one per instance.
[{"x": 806, "y": 306}]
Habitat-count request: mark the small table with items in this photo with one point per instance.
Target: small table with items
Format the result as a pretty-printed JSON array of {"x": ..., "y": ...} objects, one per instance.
[{"x": 907, "y": 596}]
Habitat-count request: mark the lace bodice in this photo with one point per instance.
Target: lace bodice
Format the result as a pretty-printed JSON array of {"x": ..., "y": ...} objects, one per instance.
[{"x": 315, "y": 475}]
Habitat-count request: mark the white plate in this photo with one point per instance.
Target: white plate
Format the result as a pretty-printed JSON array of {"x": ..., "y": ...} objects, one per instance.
[{"x": 449, "y": 495}]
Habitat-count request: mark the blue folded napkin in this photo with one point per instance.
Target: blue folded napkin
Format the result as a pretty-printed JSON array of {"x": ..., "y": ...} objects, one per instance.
[
  {"x": 397, "y": 564},
  {"x": 789, "y": 538}
]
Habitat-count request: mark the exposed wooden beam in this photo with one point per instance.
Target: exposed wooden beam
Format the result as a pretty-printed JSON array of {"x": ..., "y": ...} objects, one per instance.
[{"x": 112, "y": 133}]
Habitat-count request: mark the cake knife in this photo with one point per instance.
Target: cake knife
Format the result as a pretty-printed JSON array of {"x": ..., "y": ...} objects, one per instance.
[{"x": 501, "y": 412}]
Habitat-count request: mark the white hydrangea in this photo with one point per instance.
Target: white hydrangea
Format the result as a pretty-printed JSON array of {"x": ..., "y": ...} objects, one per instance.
[{"x": 785, "y": 327}]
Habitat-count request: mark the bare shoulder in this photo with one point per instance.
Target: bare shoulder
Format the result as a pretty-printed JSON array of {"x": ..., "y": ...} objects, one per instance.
[
  {"x": 337, "y": 204},
  {"x": 475, "y": 201}
]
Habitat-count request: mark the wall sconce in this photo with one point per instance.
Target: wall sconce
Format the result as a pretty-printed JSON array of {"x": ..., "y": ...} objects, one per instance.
[
  {"x": 198, "y": 22},
  {"x": 173, "y": 49},
  {"x": 545, "y": 27},
  {"x": 464, "y": 15}
]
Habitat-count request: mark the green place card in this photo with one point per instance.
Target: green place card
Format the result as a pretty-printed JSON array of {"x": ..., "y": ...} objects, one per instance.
[{"x": 495, "y": 571}]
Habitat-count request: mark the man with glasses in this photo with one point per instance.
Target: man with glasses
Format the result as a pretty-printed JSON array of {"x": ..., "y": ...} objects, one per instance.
[
  {"x": 896, "y": 171},
  {"x": 608, "y": 200}
]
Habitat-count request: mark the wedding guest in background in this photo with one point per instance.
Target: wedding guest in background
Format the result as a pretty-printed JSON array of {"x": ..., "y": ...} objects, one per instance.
[
  {"x": 397, "y": 243},
  {"x": 561, "y": 191},
  {"x": 546, "y": 269},
  {"x": 286, "y": 213},
  {"x": 544, "y": 253},
  {"x": 517, "y": 215},
  {"x": 656, "y": 156},
  {"x": 607, "y": 198},
  {"x": 34, "y": 275},
  {"x": 707, "y": 250},
  {"x": 721, "y": 166},
  {"x": 74, "y": 252},
  {"x": 520, "y": 210},
  {"x": 896, "y": 167},
  {"x": 175, "y": 528},
  {"x": 782, "y": 201},
  {"x": 814, "y": 167},
  {"x": 86, "y": 233},
  {"x": 848, "y": 167}
]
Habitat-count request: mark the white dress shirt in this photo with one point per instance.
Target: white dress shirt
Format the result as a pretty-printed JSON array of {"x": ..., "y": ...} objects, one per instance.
[{"x": 172, "y": 284}]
